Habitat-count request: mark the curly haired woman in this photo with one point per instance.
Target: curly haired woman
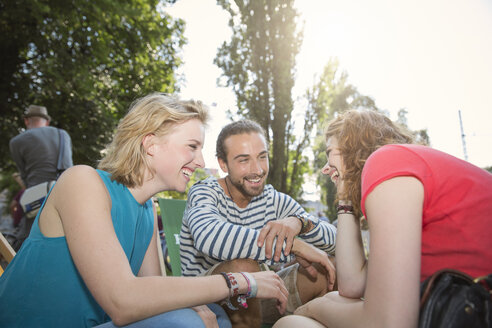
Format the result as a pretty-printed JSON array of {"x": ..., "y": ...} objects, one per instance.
[{"x": 426, "y": 210}]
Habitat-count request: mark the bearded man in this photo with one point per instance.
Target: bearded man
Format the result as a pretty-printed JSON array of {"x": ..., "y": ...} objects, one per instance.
[{"x": 239, "y": 223}]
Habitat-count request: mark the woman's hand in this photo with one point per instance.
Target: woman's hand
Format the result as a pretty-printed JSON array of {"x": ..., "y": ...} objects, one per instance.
[
  {"x": 270, "y": 285},
  {"x": 208, "y": 317}
]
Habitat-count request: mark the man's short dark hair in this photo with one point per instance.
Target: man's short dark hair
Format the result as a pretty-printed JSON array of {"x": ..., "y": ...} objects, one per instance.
[{"x": 235, "y": 128}]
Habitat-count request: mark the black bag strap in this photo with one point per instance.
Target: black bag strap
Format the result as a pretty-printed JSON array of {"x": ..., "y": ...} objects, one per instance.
[{"x": 61, "y": 147}]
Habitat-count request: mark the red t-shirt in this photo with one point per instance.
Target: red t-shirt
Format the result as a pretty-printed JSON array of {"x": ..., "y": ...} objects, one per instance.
[{"x": 457, "y": 212}]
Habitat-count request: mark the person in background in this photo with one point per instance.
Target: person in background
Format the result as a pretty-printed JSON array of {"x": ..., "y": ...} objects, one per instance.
[
  {"x": 35, "y": 152},
  {"x": 238, "y": 223},
  {"x": 92, "y": 256},
  {"x": 426, "y": 211},
  {"x": 322, "y": 217}
]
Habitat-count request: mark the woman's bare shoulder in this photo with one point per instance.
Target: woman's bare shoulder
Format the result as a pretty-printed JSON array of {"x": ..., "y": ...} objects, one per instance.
[{"x": 81, "y": 179}]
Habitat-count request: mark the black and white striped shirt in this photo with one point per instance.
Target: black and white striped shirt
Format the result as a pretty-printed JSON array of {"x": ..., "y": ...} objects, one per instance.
[{"x": 215, "y": 229}]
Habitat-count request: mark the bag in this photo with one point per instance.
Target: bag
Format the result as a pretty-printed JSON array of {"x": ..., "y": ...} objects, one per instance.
[
  {"x": 33, "y": 197},
  {"x": 450, "y": 298}
]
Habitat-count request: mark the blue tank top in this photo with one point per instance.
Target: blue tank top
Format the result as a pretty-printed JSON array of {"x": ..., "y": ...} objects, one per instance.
[{"x": 41, "y": 287}]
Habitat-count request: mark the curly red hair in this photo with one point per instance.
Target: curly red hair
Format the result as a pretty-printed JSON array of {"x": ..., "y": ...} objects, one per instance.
[{"x": 359, "y": 133}]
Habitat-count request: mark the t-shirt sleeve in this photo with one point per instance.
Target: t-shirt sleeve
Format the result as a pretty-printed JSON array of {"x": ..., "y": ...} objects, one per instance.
[{"x": 388, "y": 162}]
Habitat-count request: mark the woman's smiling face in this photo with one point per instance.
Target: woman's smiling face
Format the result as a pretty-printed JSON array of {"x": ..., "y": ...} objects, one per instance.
[
  {"x": 334, "y": 165},
  {"x": 177, "y": 155}
]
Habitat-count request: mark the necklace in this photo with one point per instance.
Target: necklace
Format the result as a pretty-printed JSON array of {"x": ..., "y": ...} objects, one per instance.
[{"x": 228, "y": 190}]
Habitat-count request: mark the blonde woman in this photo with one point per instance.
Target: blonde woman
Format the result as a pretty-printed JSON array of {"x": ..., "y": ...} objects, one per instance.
[
  {"x": 91, "y": 257},
  {"x": 426, "y": 211}
]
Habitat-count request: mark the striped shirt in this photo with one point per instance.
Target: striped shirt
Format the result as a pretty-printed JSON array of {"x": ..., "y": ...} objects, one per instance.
[{"x": 215, "y": 229}]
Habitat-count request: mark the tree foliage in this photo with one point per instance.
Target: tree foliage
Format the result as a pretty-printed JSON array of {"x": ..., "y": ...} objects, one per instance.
[
  {"x": 259, "y": 64},
  {"x": 86, "y": 61},
  {"x": 331, "y": 94},
  {"x": 421, "y": 136}
]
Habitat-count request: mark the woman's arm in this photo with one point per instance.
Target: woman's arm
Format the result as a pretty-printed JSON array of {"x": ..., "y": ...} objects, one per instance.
[
  {"x": 351, "y": 261},
  {"x": 394, "y": 211},
  {"x": 84, "y": 206},
  {"x": 151, "y": 265}
]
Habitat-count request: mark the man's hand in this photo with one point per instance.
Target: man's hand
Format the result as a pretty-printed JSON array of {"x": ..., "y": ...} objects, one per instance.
[
  {"x": 284, "y": 230},
  {"x": 207, "y": 316},
  {"x": 307, "y": 255}
]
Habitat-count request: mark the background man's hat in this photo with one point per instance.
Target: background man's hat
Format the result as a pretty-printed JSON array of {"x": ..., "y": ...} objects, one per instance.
[{"x": 40, "y": 111}]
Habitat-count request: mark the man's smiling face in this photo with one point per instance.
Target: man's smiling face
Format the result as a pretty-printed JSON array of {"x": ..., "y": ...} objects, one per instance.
[{"x": 247, "y": 163}]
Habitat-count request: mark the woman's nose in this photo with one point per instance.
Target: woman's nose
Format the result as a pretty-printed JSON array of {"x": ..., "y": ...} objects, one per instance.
[
  {"x": 199, "y": 161},
  {"x": 326, "y": 169}
]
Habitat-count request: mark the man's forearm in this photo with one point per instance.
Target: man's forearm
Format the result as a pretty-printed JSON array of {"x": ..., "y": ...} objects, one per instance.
[{"x": 322, "y": 236}]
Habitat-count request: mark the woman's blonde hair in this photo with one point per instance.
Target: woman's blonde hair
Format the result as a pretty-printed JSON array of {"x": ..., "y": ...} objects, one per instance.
[
  {"x": 155, "y": 114},
  {"x": 359, "y": 134}
]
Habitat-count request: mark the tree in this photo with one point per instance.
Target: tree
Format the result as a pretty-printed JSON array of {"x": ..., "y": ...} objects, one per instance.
[
  {"x": 331, "y": 94},
  {"x": 86, "y": 61},
  {"x": 259, "y": 64},
  {"x": 421, "y": 136}
]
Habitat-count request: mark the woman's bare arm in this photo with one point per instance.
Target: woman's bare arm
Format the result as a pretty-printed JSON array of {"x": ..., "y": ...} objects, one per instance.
[
  {"x": 150, "y": 265},
  {"x": 394, "y": 210},
  {"x": 351, "y": 261},
  {"x": 85, "y": 212}
]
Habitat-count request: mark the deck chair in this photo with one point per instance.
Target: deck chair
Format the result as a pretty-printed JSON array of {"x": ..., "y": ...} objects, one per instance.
[
  {"x": 172, "y": 215},
  {"x": 6, "y": 251}
]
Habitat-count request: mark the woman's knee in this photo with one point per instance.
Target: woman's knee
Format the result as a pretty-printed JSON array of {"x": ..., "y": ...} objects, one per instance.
[
  {"x": 291, "y": 321},
  {"x": 181, "y": 318},
  {"x": 221, "y": 315}
]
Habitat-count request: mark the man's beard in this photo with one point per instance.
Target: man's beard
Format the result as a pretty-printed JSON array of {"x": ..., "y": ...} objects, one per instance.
[{"x": 248, "y": 193}]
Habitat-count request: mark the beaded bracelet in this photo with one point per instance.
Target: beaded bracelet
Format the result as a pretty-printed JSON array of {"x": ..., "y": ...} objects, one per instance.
[
  {"x": 249, "y": 284},
  {"x": 252, "y": 289},
  {"x": 233, "y": 289},
  {"x": 233, "y": 286},
  {"x": 345, "y": 209},
  {"x": 252, "y": 286}
]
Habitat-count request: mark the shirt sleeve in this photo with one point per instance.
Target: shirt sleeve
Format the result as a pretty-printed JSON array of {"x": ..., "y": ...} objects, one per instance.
[
  {"x": 213, "y": 235},
  {"x": 16, "y": 156},
  {"x": 388, "y": 162},
  {"x": 67, "y": 152},
  {"x": 322, "y": 236}
]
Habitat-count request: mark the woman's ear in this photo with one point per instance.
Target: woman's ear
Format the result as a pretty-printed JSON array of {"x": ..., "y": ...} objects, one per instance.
[{"x": 148, "y": 142}]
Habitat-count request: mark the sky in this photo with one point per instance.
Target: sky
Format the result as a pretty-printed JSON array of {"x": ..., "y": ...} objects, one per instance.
[{"x": 431, "y": 57}]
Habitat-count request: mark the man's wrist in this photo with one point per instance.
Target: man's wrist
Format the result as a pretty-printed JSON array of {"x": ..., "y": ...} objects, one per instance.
[
  {"x": 306, "y": 224},
  {"x": 296, "y": 244}
]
